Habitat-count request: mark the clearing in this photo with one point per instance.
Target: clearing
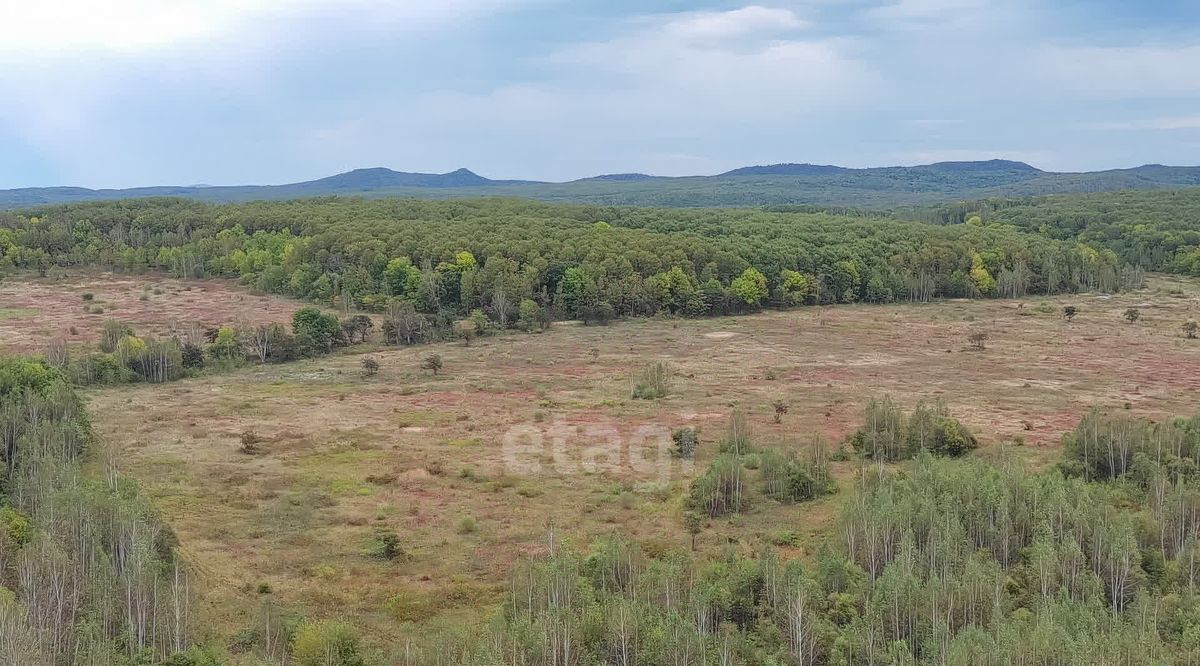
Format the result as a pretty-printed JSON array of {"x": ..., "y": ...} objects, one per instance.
[
  {"x": 344, "y": 455},
  {"x": 35, "y": 310}
]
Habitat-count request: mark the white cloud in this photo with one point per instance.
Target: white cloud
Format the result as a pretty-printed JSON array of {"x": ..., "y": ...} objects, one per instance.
[
  {"x": 751, "y": 20},
  {"x": 36, "y": 29},
  {"x": 1122, "y": 72}
]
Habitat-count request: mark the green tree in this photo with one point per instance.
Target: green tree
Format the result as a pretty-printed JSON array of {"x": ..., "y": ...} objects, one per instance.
[
  {"x": 750, "y": 287},
  {"x": 401, "y": 278},
  {"x": 316, "y": 332}
]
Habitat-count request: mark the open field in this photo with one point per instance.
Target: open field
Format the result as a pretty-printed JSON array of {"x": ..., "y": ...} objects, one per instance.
[
  {"x": 344, "y": 455},
  {"x": 34, "y": 310}
]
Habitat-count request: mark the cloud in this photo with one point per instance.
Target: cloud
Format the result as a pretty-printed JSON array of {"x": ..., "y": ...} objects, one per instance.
[
  {"x": 1123, "y": 72},
  {"x": 927, "y": 13},
  {"x": 1165, "y": 124},
  {"x": 40, "y": 29},
  {"x": 668, "y": 94},
  {"x": 750, "y": 59}
]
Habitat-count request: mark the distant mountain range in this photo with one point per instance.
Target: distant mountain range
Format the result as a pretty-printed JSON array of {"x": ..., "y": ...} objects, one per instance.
[{"x": 778, "y": 184}]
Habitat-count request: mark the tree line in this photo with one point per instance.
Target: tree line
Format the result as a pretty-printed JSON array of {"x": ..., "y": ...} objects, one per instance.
[
  {"x": 1157, "y": 230},
  {"x": 506, "y": 258}
]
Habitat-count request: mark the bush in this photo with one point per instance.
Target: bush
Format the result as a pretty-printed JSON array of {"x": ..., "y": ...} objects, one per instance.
[
  {"x": 686, "y": 440},
  {"x": 16, "y": 526},
  {"x": 384, "y": 545},
  {"x": 719, "y": 490},
  {"x": 89, "y": 296},
  {"x": 191, "y": 356},
  {"x": 326, "y": 643},
  {"x": 370, "y": 366},
  {"x": 196, "y": 656},
  {"x": 433, "y": 363},
  {"x": 250, "y": 441},
  {"x": 887, "y": 433},
  {"x": 655, "y": 382},
  {"x": 467, "y": 525}
]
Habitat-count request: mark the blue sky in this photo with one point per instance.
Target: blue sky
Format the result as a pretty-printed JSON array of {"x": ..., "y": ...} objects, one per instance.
[{"x": 142, "y": 92}]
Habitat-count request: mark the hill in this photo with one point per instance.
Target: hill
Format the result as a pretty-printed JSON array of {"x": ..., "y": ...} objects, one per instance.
[{"x": 772, "y": 185}]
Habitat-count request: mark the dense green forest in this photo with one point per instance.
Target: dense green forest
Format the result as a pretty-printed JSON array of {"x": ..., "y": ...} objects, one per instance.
[
  {"x": 447, "y": 259},
  {"x": 1155, "y": 230}
]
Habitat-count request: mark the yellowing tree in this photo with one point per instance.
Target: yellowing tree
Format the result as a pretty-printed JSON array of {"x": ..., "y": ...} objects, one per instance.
[{"x": 983, "y": 281}]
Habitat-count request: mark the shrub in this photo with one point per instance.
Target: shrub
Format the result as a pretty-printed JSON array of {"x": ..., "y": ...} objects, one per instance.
[
  {"x": 433, "y": 363},
  {"x": 16, "y": 526},
  {"x": 384, "y": 545},
  {"x": 370, "y": 366},
  {"x": 326, "y": 643},
  {"x": 978, "y": 340},
  {"x": 89, "y": 296},
  {"x": 250, "y": 441},
  {"x": 655, "y": 382},
  {"x": 686, "y": 440},
  {"x": 191, "y": 356},
  {"x": 719, "y": 490},
  {"x": 467, "y": 525},
  {"x": 196, "y": 656}
]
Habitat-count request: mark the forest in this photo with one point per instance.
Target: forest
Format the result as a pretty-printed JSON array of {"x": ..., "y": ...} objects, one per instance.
[
  {"x": 497, "y": 256},
  {"x": 1159, "y": 231}
]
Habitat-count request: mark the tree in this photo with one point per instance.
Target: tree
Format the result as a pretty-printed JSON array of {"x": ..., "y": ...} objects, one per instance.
[
  {"x": 1069, "y": 312},
  {"x": 1189, "y": 329},
  {"x": 530, "y": 316},
  {"x": 404, "y": 325},
  {"x": 981, "y": 279},
  {"x": 693, "y": 522},
  {"x": 750, "y": 287},
  {"x": 356, "y": 328},
  {"x": 316, "y": 332},
  {"x": 1132, "y": 314},
  {"x": 796, "y": 288},
  {"x": 402, "y": 278},
  {"x": 370, "y": 366},
  {"x": 433, "y": 362}
]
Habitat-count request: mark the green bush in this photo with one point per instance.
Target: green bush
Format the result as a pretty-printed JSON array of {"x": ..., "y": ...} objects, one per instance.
[{"x": 326, "y": 643}]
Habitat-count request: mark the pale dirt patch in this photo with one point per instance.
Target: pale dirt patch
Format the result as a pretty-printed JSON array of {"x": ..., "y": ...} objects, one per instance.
[{"x": 720, "y": 335}]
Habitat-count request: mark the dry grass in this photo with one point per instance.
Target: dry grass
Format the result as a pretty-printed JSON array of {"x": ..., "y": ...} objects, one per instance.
[
  {"x": 32, "y": 311},
  {"x": 344, "y": 455}
]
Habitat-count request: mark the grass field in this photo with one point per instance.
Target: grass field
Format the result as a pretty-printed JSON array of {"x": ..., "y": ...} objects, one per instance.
[
  {"x": 343, "y": 455},
  {"x": 35, "y": 310}
]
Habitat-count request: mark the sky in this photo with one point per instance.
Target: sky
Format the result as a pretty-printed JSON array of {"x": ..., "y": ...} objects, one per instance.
[{"x": 176, "y": 92}]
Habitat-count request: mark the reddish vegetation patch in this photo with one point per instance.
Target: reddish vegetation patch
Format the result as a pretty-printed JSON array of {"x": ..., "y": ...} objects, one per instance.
[{"x": 34, "y": 311}]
